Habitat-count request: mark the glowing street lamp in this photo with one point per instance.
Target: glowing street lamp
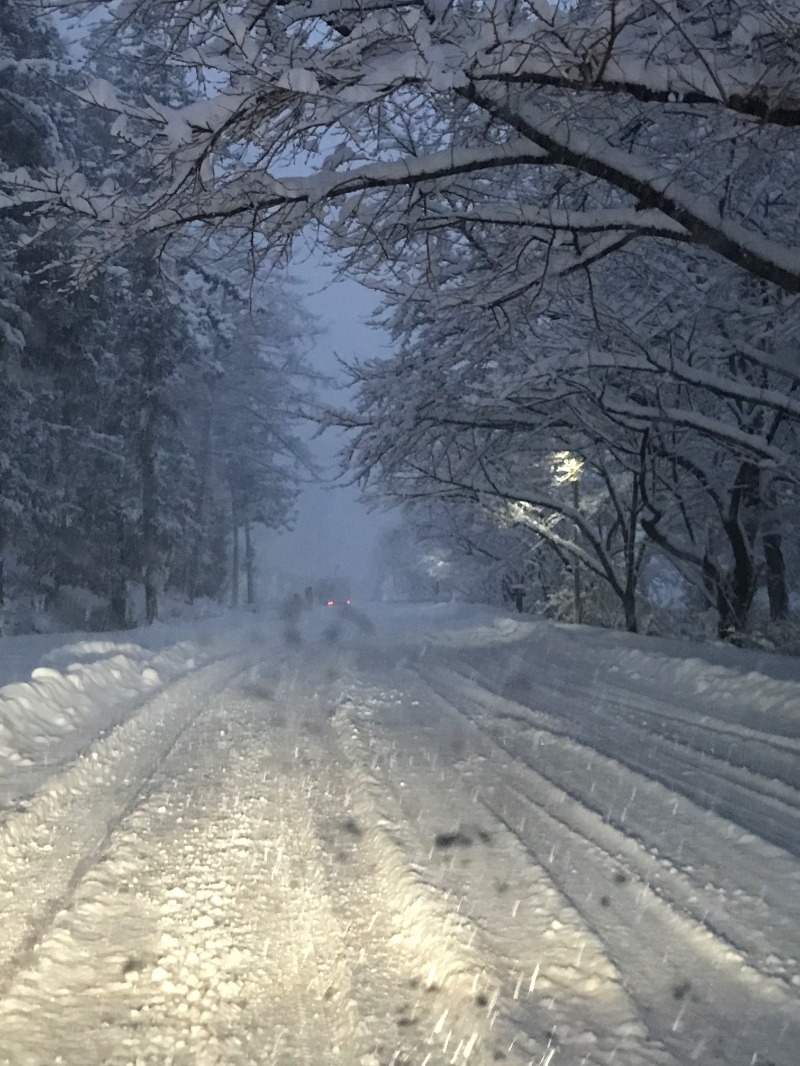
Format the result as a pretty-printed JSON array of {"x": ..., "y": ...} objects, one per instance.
[{"x": 567, "y": 467}]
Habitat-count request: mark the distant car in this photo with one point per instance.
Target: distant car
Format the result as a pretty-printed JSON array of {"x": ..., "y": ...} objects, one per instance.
[{"x": 332, "y": 592}]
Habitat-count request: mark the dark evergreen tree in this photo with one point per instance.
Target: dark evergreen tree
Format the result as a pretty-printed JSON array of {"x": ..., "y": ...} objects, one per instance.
[
  {"x": 120, "y": 463},
  {"x": 30, "y": 59}
]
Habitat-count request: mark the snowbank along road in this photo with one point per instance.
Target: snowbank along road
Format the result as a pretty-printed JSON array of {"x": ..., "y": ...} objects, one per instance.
[{"x": 459, "y": 839}]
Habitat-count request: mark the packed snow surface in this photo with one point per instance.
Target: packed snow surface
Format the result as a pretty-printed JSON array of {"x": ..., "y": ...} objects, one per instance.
[{"x": 400, "y": 835}]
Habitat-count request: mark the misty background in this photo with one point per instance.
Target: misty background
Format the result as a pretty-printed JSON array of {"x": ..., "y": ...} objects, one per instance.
[{"x": 335, "y": 533}]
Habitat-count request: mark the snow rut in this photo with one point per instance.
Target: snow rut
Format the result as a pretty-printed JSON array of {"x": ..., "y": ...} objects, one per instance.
[
  {"x": 702, "y": 997},
  {"x": 46, "y": 849},
  {"x": 249, "y": 905},
  {"x": 550, "y": 990},
  {"x": 744, "y": 889},
  {"x": 298, "y": 864},
  {"x": 738, "y": 772}
]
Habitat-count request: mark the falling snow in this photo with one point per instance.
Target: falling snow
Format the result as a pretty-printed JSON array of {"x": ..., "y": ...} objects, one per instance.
[{"x": 458, "y": 838}]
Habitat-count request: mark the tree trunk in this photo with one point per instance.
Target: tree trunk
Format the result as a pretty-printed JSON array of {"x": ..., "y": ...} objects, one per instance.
[
  {"x": 118, "y": 585},
  {"x": 149, "y": 525},
  {"x": 249, "y": 560},
  {"x": 777, "y": 592},
  {"x": 774, "y": 562},
  {"x": 577, "y": 587},
  {"x": 632, "y": 559},
  {"x": 629, "y": 607},
  {"x": 235, "y": 555},
  {"x": 734, "y": 598},
  {"x": 118, "y": 602},
  {"x": 736, "y": 589},
  {"x": 150, "y": 599},
  {"x": 577, "y": 591},
  {"x": 204, "y": 467}
]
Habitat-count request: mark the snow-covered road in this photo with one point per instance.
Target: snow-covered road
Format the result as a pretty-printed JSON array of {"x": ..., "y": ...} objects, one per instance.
[{"x": 460, "y": 839}]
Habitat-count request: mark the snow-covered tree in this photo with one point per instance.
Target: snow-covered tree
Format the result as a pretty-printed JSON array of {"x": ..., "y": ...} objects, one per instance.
[
  {"x": 666, "y": 375},
  {"x": 604, "y": 122},
  {"x": 583, "y": 216},
  {"x": 106, "y": 471},
  {"x": 30, "y": 114},
  {"x": 469, "y": 551},
  {"x": 248, "y": 454}
]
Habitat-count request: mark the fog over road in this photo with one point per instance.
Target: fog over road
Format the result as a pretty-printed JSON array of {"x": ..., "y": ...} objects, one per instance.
[{"x": 458, "y": 839}]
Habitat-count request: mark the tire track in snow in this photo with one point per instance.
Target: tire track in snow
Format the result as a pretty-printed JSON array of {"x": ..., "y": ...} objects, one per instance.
[
  {"x": 722, "y": 767},
  {"x": 705, "y": 864},
  {"x": 452, "y": 989},
  {"x": 234, "y": 915},
  {"x": 217, "y": 950},
  {"x": 46, "y": 849},
  {"x": 219, "y": 925},
  {"x": 549, "y": 986},
  {"x": 669, "y": 960}
]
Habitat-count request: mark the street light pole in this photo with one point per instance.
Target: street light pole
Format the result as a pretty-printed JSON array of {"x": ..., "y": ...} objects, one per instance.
[
  {"x": 576, "y": 566},
  {"x": 567, "y": 467}
]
